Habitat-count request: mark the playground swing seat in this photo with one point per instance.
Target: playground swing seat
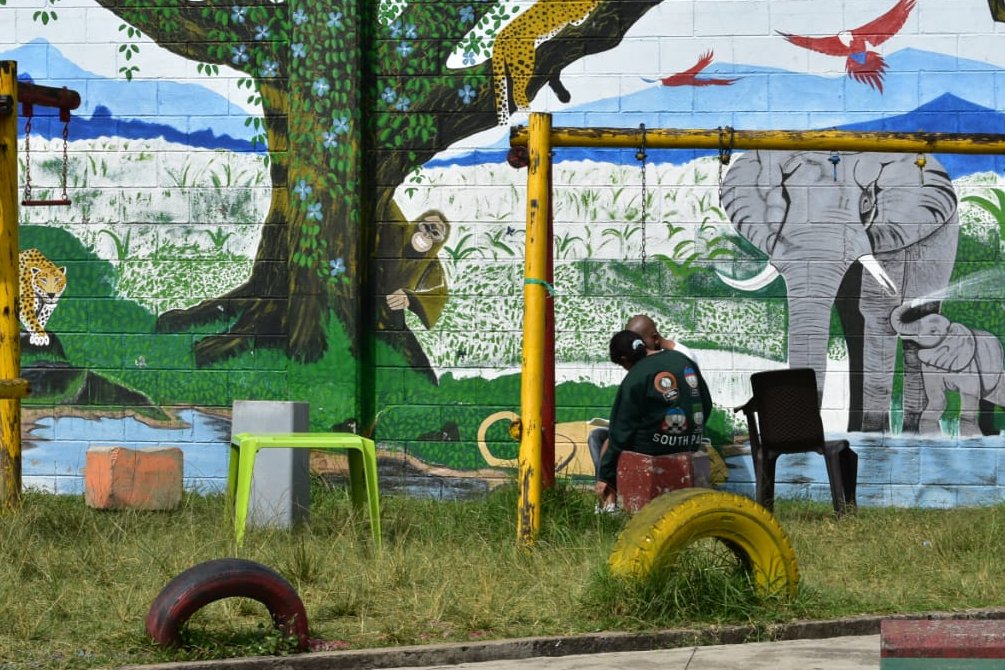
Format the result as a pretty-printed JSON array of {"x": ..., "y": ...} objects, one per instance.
[
  {"x": 783, "y": 417},
  {"x": 27, "y": 200}
]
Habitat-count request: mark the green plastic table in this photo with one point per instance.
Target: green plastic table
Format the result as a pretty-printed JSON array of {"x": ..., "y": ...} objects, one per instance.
[{"x": 362, "y": 455}]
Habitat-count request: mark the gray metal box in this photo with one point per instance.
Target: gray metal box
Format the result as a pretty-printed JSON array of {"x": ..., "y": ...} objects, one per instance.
[{"x": 280, "y": 489}]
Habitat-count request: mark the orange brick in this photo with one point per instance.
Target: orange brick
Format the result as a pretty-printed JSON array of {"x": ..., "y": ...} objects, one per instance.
[
  {"x": 122, "y": 478},
  {"x": 641, "y": 477}
]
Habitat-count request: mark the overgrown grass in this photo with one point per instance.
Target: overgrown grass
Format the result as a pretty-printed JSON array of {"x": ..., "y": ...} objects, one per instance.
[{"x": 75, "y": 583}]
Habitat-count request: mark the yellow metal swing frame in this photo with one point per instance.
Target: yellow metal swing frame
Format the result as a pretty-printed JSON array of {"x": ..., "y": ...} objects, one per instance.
[{"x": 12, "y": 386}]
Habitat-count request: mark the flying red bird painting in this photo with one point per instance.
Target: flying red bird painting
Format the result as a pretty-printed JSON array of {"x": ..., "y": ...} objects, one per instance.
[
  {"x": 863, "y": 64},
  {"x": 689, "y": 77}
]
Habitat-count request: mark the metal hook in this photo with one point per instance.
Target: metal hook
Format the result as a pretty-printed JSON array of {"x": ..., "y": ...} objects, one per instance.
[
  {"x": 835, "y": 158},
  {"x": 726, "y": 150},
  {"x": 640, "y": 155}
]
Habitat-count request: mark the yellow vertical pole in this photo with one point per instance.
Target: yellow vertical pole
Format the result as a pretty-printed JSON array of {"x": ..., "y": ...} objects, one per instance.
[
  {"x": 10, "y": 345},
  {"x": 535, "y": 296}
]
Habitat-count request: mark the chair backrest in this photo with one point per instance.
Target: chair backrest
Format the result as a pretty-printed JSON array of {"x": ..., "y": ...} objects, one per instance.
[{"x": 788, "y": 411}]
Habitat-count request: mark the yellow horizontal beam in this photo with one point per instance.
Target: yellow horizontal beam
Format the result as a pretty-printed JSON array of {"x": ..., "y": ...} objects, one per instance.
[
  {"x": 14, "y": 388},
  {"x": 805, "y": 140}
]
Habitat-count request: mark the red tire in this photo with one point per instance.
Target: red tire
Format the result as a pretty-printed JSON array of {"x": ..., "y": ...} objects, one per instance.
[{"x": 222, "y": 578}]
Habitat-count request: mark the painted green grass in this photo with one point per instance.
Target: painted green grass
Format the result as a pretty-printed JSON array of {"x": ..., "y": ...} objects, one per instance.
[
  {"x": 119, "y": 342},
  {"x": 76, "y": 583},
  {"x": 115, "y": 338}
]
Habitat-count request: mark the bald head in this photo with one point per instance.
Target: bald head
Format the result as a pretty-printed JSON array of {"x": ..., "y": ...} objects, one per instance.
[
  {"x": 644, "y": 327},
  {"x": 639, "y": 321}
]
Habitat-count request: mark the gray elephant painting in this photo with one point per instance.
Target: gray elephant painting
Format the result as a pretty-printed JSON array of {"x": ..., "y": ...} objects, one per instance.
[
  {"x": 861, "y": 232},
  {"x": 954, "y": 357}
]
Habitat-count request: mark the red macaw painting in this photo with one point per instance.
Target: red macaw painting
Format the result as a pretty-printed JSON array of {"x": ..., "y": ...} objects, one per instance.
[
  {"x": 689, "y": 77},
  {"x": 863, "y": 63}
]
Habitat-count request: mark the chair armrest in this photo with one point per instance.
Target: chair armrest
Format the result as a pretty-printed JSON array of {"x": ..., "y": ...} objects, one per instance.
[{"x": 745, "y": 407}]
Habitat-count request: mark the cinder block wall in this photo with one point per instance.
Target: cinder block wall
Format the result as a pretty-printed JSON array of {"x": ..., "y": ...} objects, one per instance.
[{"x": 277, "y": 207}]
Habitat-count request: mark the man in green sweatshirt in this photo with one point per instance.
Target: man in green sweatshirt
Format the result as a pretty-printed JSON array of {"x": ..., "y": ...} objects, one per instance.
[{"x": 661, "y": 407}]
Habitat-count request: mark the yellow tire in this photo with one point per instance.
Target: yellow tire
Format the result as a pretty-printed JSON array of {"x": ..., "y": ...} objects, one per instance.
[{"x": 671, "y": 522}]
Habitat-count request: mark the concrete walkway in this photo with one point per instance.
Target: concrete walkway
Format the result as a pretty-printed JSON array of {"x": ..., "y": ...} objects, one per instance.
[
  {"x": 859, "y": 652},
  {"x": 850, "y": 643}
]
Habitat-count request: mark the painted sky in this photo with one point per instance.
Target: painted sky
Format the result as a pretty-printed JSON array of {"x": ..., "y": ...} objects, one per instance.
[
  {"x": 918, "y": 97},
  {"x": 742, "y": 34},
  {"x": 92, "y": 34},
  {"x": 177, "y": 111},
  {"x": 945, "y": 47}
]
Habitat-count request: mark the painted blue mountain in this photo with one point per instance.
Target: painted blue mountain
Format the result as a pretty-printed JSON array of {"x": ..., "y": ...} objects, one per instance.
[
  {"x": 140, "y": 109},
  {"x": 925, "y": 91},
  {"x": 948, "y": 114}
]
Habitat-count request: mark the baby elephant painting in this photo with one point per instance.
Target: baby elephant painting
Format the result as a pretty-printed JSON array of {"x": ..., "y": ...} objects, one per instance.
[{"x": 954, "y": 357}]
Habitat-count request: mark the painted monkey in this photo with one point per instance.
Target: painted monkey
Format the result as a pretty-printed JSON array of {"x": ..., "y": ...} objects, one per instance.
[
  {"x": 410, "y": 276},
  {"x": 424, "y": 287}
]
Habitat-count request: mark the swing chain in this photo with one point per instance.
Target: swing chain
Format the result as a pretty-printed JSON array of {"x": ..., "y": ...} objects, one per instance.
[
  {"x": 65, "y": 115},
  {"x": 27, "y": 151},
  {"x": 28, "y": 201},
  {"x": 640, "y": 156}
]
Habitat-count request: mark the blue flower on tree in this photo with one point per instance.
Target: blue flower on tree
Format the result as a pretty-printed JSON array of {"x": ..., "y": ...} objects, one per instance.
[
  {"x": 403, "y": 104},
  {"x": 270, "y": 68},
  {"x": 340, "y": 126},
  {"x": 330, "y": 139},
  {"x": 404, "y": 49},
  {"x": 261, "y": 33},
  {"x": 299, "y": 17},
  {"x": 334, "y": 19},
  {"x": 314, "y": 211},
  {"x": 337, "y": 267},
  {"x": 239, "y": 54},
  {"x": 410, "y": 32},
  {"x": 467, "y": 94},
  {"x": 469, "y": 57},
  {"x": 237, "y": 13},
  {"x": 303, "y": 189},
  {"x": 320, "y": 86},
  {"x": 389, "y": 95},
  {"x": 467, "y": 14},
  {"x": 298, "y": 49},
  {"x": 396, "y": 29}
]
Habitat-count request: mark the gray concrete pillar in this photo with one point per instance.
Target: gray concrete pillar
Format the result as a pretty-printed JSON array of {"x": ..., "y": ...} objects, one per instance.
[{"x": 280, "y": 489}]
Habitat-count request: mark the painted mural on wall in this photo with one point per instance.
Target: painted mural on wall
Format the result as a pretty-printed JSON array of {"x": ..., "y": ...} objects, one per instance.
[
  {"x": 217, "y": 250},
  {"x": 915, "y": 215},
  {"x": 863, "y": 232}
]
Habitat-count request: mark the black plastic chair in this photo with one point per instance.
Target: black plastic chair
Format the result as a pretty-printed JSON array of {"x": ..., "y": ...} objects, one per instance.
[{"x": 783, "y": 417}]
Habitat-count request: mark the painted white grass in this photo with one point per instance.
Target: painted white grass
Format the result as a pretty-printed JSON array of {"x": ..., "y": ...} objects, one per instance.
[
  {"x": 180, "y": 224},
  {"x": 597, "y": 209},
  {"x": 597, "y": 206},
  {"x": 597, "y": 217}
]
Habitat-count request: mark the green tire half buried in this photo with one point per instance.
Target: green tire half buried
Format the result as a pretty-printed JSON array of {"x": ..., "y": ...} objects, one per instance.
[{"x": 671, "y": 522}]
